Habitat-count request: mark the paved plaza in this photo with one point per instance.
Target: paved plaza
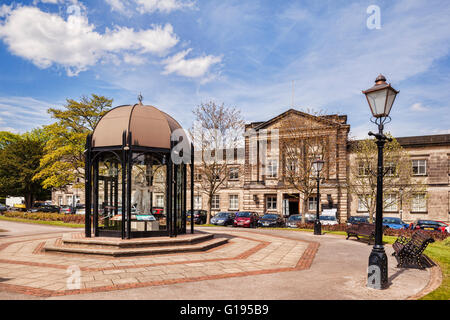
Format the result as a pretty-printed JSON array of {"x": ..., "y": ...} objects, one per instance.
[{"x": 254, "y": 264}]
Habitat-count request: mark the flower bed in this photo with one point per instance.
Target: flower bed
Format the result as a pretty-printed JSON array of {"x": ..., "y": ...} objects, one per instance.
[{"x": 45, "y": 216}]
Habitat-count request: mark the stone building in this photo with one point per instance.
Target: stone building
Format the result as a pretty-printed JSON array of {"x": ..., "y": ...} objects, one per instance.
[
  {"x": 255, "y": 183},
  {"x": 259, "y": 187}
]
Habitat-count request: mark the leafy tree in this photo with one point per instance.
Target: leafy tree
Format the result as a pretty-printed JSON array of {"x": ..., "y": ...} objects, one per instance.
[
  {"x": 63, "y": 161},
  {"x": 397, "y": 175},
  {"x": 20, "y": 156}
]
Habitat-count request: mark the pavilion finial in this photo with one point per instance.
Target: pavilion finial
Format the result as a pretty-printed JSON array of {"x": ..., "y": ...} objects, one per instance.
[{"x": 140, "y": 98}]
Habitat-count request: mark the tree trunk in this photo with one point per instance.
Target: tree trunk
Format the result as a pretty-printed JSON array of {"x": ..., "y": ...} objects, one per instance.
[
  {"x": 304, "y": 211},
  {"x": 28, "y": 200},
  {"x": 208, "y": 214}
]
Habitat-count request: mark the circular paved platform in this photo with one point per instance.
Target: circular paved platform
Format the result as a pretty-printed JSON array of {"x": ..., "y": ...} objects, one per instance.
[{"x": 254, "y": 264}]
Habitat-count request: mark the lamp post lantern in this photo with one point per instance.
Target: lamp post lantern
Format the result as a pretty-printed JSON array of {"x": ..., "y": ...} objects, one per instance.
[
  {"x": 317, "y": 166},
  {"x": 380, "y": 98}
]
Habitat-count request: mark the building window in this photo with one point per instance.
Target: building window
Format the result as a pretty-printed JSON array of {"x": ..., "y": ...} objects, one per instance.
[
  {"x": 391, "y": 202},
  {"x": 233, "y": 174},
  {"x": 198, "y": 202},
  {"x": 215, "y": 202},
  {"x": 291, "y": 166},
  {"x": 312, "y": 203},
  {"x": 197, "y": 176},
  {"x": 271, "y": 202},
  {"x": 363, "y": 169},
  {"x": 60, "y": 200},
  {"x": 419, "y": 167},
  {"x": 69, "y": 200},
  {"x": 272, "y": 168},
  {"x": 234, "y": 202},
  {"x": 159, "y": 200},
  {"x": 390, "y": 169},
  {"x": 362, "y": 207},
  {"x": 419, "y": 203}
]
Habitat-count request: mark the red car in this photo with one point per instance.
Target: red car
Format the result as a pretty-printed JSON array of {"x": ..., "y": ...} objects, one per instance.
[{"x": 246, "y": 219}]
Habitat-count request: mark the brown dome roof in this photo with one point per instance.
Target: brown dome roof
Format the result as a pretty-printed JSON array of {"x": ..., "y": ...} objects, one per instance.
[{"x": 149, "y": 126}]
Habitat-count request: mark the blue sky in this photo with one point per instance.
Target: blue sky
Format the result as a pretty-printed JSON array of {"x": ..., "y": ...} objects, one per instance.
[{"x": 248, "y": 54}]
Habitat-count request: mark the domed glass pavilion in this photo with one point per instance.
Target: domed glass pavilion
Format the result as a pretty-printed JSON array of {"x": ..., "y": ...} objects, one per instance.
[{"x": 133, "y": 188}]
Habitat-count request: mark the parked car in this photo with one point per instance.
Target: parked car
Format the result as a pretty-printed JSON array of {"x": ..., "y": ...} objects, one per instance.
[
  {"x": 445, "y": 225},
  {"x": 271, "y": 220},
  {"x": 328, "y": 220},
  {"x": 223, "y": 218},
  {"x": 3, "y": 208},
  {"x": 80, "y": 209},
  {"x": 427, "y": 225},
  {"x": 246, "y": 219},
  {"x": 199, "y": 216},
  {"x": 293, "y": 220},
  {"x": 157, "y": 211},
  {"x": 39, "y": 207},
  {"x": 394, "y": 223},
  {"x": 357, "y": 219},
  {"x": 67, "y": 210}
]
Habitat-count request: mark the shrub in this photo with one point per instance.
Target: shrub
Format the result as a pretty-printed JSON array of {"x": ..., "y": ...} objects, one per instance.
[{"x": 46, "y": 216}]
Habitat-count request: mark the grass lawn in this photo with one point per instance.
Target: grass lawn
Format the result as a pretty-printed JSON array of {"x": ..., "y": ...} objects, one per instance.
[{"x": 52, "y": 223}]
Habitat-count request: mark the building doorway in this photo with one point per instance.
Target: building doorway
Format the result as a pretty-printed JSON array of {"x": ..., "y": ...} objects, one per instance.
[{"x": 291, "y": 204}]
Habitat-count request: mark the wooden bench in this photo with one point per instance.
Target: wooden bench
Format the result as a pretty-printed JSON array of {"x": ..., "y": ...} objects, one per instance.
[
  {"x": 409, "y": 251},
  {"x": 361, "y": 229}
]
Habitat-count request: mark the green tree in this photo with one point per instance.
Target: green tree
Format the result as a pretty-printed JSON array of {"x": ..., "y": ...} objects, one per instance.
[
  {"x": 20, "y": 157},
  {"x": 63, "y": 161}
]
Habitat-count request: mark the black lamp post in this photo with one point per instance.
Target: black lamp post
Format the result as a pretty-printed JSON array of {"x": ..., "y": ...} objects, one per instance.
[
  {"x": 380, "y": 98},
  {"x": 317, "y": 167}
]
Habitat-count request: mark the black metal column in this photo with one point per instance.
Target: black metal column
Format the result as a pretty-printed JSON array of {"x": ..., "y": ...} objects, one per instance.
[
  {"x": 95, "y": 199},
  {"x": 192, "y": 188},
  {"x": 175, "y": 198},
  {"x": 124, "y": 177},
  {"x": 169, "y": 198},
  {"x": 377, "y": 276},
  {"x": 317, "y": 224},
  {"x": 88, "y": 187},
  {"x": 129, "y": 167},
  {"x": 184, "y": 211}
]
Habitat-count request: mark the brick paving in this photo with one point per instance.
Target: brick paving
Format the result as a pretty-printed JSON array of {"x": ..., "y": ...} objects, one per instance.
[{"x": 25, "y": 268}]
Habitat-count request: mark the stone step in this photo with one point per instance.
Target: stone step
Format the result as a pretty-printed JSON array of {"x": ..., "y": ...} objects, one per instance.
[
  {"x": 135, "y": 243},
  {"x": 122, "y": 252}
]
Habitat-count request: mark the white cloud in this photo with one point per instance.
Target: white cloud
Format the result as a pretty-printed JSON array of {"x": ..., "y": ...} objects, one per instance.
[
  {"x": 120, "y": 6},
  {"x": 419, "y": 107},
  {"x": 166, "y": 6},
  {"x": 23, "y": 113},
  {"x": 46, "y": 39},
  {"x": 193, "y": 68},
  {"x": 4, "y": 10}
]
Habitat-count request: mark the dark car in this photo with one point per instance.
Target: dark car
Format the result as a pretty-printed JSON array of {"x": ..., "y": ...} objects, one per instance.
[
  {"x": 199, "y": 216},
  {"x": 430, "y": 225},
  {"x": 271, "y": 220},
  {"x": 246, "y": 219},
  {"x": 394, "y": 223},
  {"x": 44, "y": 208},
  {"x": 223, "y": 218},
  {"x": 293, "y": 220},
  {"x": 357, "y": 219},
  {"x": 3, "y": 208},
  {"x": 157, "y": 211}
]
